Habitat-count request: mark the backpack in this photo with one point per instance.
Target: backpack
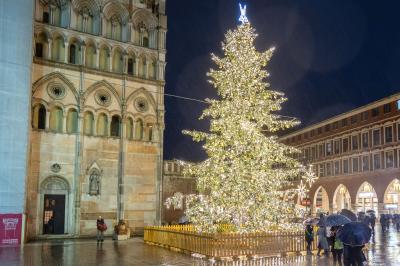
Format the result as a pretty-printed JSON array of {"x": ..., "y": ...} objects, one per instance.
[{"x": 338, "y": 244}]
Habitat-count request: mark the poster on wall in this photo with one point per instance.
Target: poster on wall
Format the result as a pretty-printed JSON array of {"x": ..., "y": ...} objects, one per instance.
[{"x": 10, "y": 229}]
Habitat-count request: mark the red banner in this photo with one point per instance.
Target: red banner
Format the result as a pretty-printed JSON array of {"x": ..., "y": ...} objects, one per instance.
[{"x": 10, "y": 229}]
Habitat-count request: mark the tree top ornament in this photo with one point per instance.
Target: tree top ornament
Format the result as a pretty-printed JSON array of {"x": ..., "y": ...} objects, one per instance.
[{"x": 243, "y": 18}]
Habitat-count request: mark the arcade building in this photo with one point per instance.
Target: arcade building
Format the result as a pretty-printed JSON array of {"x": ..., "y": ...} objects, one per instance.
[{"x": 356, "y": 156}]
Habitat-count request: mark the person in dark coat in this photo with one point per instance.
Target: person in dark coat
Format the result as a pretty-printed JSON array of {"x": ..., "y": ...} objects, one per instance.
[
  {"x": 382, "y": 220},
  {"x": 353, "y": 256},
  {"x": 372, "y": 219},
  {"x": 101, "y": 227},
  {"x": 309, "y": 237}
]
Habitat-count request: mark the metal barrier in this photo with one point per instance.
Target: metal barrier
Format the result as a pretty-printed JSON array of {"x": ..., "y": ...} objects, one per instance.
[{"x": 220, "y": 245}]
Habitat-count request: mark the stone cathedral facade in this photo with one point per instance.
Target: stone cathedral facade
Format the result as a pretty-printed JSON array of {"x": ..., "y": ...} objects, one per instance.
[{"x": 97, "y": 115}]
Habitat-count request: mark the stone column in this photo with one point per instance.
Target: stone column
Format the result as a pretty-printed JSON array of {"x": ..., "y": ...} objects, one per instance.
[
  {"x": 83, "y": 54},
  {"x": 110, "y": 62},
  {"x": 50, "y": 41},
  {"x": 64, "y": 121},
  {"x": 136, "y": 70},
  {"x": 66, "y": 52},
  {"x": 97, "y": 57},
  {"x": 16, "y": 18},
  {"x": 47, "y": 120},
  {"x": 125, "y": 64}
]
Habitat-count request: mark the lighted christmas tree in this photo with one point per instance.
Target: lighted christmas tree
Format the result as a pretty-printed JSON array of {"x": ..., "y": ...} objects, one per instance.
[{"x": 242, "y": 181}]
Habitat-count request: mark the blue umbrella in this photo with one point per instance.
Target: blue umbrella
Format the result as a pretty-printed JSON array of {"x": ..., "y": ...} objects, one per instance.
[
  {"x": 354, "y": 234},
  {"x": 336, "y": 220},
  {"x": 349, "y": 214}
]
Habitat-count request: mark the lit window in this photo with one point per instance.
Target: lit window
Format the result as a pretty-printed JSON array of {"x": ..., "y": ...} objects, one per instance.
[
  {"x": 389, "y": 159},
  {"x": 355, "y": 164},
  {"x": 346, "y": 166},
  {"x": 377, "y": 161}
]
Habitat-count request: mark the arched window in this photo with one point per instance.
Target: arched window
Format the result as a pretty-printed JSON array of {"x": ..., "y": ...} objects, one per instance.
[
  {"x": 56, "y": 119},
  {"x": 131, "y": 66},
  {"x": 152, "y": 69},
  {"x": 115, "y": 126},
  {"x": 116, "y": 28},
  {"x": 149, "y": 132},
  {"x": 90, "y": 57},
  {"x": 73, "y": 54},
  {"x": 58, "y": 49},
  {"x": 139, "y": 129},
  {"x": 146, "y": 41},
  {"x": 143, "y": 68},
  {"x": 129, "y": 128},
  {"x": 41, "y": 46},
  {"x": 72, "y": 121},
  {"x": 102, "y": 125},
  {"x": 104, "y": 59},
  {"x": 39, "y": 117},
  {"x": 117, "y": 61},
  {"x": 88, "y": 123},
  {"x": 56, "y": 15}
]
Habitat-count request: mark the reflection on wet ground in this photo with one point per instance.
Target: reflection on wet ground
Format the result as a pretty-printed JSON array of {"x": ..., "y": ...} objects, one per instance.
[{"x": 383, "y": 250}]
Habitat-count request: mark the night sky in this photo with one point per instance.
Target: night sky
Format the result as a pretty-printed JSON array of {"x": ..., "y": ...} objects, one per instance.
[{"x": 331, "y": 56}]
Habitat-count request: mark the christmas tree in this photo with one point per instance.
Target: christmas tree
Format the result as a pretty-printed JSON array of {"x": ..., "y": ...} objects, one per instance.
[{"x": 242, "y": 181}]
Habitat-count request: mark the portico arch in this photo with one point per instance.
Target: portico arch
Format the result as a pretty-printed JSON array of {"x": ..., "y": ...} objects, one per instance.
[
  {"x": 392, "y": 197},
  {"x": 366, "y": 198},
  {"x": 341, "y": 199},
  {"x": 321, "y": 200}
]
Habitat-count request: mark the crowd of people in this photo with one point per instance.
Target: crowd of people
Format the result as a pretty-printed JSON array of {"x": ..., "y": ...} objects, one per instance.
[{"x": 343, "y": 253}]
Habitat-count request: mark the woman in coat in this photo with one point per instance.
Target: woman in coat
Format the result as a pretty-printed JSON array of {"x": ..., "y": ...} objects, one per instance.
[
  {"x": 101, "y": 227},
  {"x": 322, "y": 241}
]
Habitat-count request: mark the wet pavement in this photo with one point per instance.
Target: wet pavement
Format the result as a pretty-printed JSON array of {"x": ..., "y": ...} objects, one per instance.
[{"x": 383, "y": 250}]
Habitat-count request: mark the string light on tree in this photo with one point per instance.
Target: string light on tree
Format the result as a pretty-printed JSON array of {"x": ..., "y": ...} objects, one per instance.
[{"x": 247, "y": 168}]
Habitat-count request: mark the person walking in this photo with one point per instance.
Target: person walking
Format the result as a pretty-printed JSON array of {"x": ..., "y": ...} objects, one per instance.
[
  {"x": 382, "y": 220},
  {"x": 309, "y": 236},
  {"x": 372, "y": 219},
  {"x": 322, "y": 241},
  {"x": 101, "y": 227},
  {"x": 337, "y": 250},
  {"x": 396, "y": 219}
]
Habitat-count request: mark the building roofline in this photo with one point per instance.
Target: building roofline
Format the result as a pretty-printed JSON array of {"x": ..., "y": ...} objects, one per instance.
[{"x": 341, "y": 116}]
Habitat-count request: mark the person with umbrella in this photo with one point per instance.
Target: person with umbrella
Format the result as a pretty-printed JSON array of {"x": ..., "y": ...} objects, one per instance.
[
  {"x": 322, "y": 241},
  {"x": 354, "y": 236}
]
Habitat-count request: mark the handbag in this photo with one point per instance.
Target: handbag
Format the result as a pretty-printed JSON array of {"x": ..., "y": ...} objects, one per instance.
[{"x": 102, "y": 227}]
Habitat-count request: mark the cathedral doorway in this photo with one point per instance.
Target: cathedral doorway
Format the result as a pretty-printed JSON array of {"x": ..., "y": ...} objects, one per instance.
[
  {"x": 55, "y": 206},
  {"x": 54, "y": 214}
]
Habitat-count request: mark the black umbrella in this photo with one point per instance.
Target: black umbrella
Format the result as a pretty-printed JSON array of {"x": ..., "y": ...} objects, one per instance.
[
  {"x": 336, "y": 220},
  {"x": 349, "y": 214},
  {"x": 354, "y": 234}
]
